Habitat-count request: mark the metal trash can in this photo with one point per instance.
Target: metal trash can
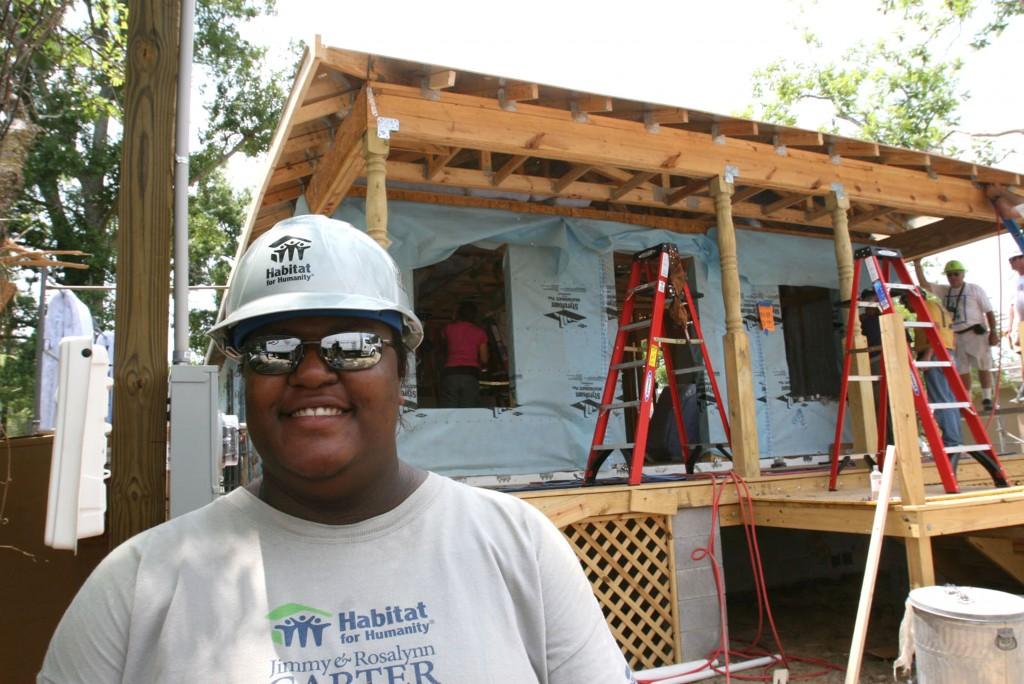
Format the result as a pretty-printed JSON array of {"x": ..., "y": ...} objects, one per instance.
[{"x": 968, "y": 634}]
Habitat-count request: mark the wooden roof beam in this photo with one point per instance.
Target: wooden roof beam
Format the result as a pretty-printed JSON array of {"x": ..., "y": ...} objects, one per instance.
[
  {"x": 306, "y": 141},
  {"x": 592, "y": 104},
  {"x": 508, "y": 168},
  {"x": 671, "y": 223},
  {"x": 440, "y": 80},
  {"x": 796, "y": 138},
  {"x": 636, "y": 180},
  {"x": 570, "y": 176},
  {"x": 644, "y": 196},
  {"x": 342, "y": 163},
  {"x": 954, "y": 167},
  {"x": 668, "y": 115},
  {"x": 817, "y": 212},
  {"x": 864, "y": 217},
  {"x": 906, "y": 158},
  {"x": 339, "y": 104},
  {"x": 743, "y": 194},
  {"x": 853, "y": 148},
  {"x": 731, "y": 128},
  {"x": 438, "y": 162},
  {"x": 283, "y": 194},
  {"x": 782, "y": 203},
  {"x": 609, "y": 141},
  {"x": 509, "y": 94},
  {"x": 685, "y": 191}
]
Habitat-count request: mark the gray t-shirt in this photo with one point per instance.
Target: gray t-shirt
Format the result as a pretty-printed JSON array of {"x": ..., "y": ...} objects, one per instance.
[{"x": 456, "y": 584}]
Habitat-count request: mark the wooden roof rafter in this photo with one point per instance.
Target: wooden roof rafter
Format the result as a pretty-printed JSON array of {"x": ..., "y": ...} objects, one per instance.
[
  {"x": 549, "y": 141},
  {"x": 644, "y": 196}
]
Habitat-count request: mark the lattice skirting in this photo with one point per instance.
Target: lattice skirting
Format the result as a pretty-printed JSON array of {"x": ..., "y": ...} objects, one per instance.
[{"x": 628, "y": 559}]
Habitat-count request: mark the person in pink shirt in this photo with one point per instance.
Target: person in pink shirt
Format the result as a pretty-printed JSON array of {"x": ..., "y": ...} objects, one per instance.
[{"x": 466, "y": 354}]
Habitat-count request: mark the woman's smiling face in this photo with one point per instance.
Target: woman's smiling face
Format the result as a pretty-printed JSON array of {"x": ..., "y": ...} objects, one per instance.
[{"x": 324, "y": 434}]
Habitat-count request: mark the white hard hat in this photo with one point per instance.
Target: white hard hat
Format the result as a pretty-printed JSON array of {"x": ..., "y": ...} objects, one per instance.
[{"x": 315, "y": 264}]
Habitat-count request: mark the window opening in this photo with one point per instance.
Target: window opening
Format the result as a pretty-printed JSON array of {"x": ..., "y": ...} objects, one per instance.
[
  {"x": 471, "y": 274},
  {"x": 812, "y": 336}
]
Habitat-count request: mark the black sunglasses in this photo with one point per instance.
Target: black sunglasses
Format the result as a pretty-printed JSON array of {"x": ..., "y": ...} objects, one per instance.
[{"x": 343, "y": 351}]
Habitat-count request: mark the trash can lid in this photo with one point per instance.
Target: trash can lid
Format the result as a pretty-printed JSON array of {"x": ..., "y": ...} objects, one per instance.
[{"x": 968, "y": 603}]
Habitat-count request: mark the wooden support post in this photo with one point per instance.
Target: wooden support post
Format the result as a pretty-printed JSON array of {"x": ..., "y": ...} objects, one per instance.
[
  {"x": 920, "y": 565},
  {"x": 376, "y": 150},
  {"x": 861, "y": 397},
  {"x": 138, "y": 492},
  {"x": 738, "y": 375},
  {"x": 896, "y": 357}
]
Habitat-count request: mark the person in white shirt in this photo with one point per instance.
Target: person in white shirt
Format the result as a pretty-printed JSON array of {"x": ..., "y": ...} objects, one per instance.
[
  {"x": 974, "y": 322},
  {"x": 343, "y": 564},
  {"x": 1015, "y": 313}
]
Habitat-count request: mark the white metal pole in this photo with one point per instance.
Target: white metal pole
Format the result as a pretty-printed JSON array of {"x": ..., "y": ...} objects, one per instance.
[{"x": 181, "y": 327}]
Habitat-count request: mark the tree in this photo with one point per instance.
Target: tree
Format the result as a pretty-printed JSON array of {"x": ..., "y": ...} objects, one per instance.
[
  {"x": 900, "y": 90},
  {"x": 70, "y": 90}
]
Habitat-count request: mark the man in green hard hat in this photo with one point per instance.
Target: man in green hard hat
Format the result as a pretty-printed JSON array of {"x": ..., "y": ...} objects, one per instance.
[{"x": 974, "y": 322}]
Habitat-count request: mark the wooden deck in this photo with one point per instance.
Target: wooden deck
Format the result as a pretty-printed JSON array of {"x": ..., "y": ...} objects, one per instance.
[{"x": 802, "y": 501}]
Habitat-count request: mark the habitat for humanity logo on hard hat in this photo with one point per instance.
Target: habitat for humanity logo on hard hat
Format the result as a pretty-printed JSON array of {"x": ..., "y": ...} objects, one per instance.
[{"x": 287, "y": 251}]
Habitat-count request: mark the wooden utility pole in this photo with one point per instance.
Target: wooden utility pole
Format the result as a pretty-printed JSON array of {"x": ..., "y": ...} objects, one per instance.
[
  {"x": 139, "y": 440},
  {"x": 861, "y": 397},
  {"x": 739, "y": 378}
]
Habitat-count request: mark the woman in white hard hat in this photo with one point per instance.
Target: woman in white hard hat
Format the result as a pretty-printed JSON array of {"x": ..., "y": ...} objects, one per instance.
[{"x": 343, "y": 565}]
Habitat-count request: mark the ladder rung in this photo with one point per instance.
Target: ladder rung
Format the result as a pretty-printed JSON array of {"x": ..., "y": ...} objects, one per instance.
[
  {"x": 950, "y": 405},
  {"x": 628, "y": 364},
  {"x": 639, "y": 324},
  {"x": 963, "y": 448},
  {"x": 865, "y": 378},
  {"x": 864, "y": 350},
  {"x": 933, "y": 364},
  {"x": 641, "y": 288},
  {"x": 691, "y": 369},
  {"x": 918, "y": 324},
  {"x": 620, "y": 404},
  {"x": 679, "y": 340},
  {"x": 613, "y": 447},
  {"x": 902, "y": 286},
  {"x": 869, "y": 305}
]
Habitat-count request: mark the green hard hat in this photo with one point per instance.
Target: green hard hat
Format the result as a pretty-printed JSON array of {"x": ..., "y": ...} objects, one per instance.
[{"x": 954, "y": 266}]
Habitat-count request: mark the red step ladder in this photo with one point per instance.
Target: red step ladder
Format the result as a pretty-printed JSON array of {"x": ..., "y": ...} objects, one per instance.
[
  {"x": 888, "y": 273},
  {"x": 657, "y": 272}
]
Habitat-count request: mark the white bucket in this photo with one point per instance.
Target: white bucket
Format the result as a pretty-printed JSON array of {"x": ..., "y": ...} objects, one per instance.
[{"x": 968, "y": 634}]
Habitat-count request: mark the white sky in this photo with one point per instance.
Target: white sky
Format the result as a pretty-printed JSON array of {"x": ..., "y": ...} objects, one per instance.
[{"x": 700, "y": 55}]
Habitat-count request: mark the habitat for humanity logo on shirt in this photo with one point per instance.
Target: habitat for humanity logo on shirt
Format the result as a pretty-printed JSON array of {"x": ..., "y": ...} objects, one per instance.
[{"x": 382, "y": 644}]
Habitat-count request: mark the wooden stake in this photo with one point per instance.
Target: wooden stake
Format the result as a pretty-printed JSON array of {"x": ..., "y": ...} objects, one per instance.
[{"x": 867, "y": 588}]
